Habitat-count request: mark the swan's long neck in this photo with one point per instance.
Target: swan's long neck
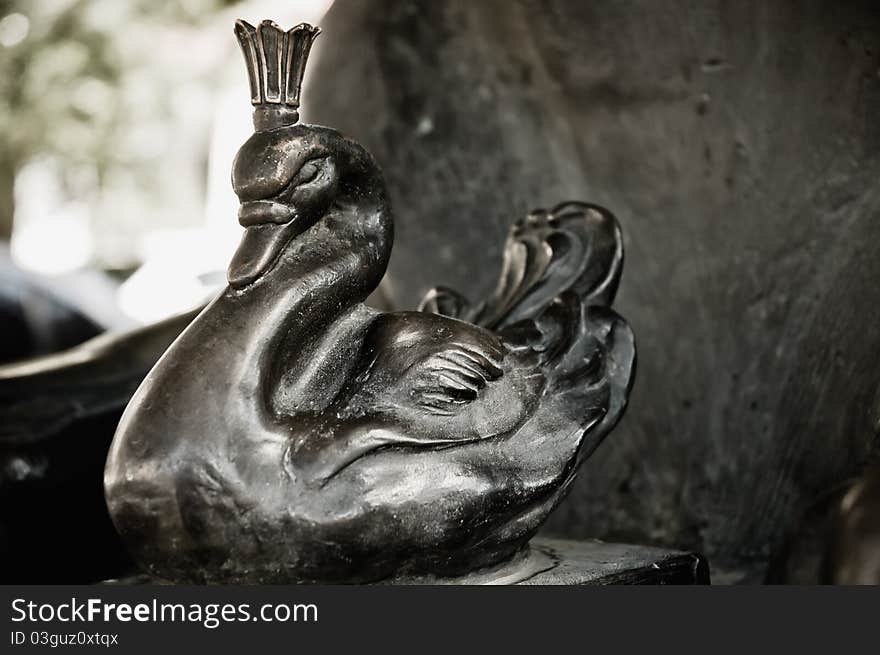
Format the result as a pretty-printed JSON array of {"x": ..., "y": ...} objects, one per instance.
[
  {"x": 299, "y": 324},
  {"x": 279, "y": 346},
  {"x": 308, "y": 310}
]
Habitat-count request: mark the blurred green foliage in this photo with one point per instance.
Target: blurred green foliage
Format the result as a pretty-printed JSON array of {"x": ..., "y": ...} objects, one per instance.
[{"x": 63, "y": 68}]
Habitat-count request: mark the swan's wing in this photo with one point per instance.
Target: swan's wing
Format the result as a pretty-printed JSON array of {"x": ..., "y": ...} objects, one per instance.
[
  {"x": 575, "y": 247},
  {"x": 454, "y": 377}
]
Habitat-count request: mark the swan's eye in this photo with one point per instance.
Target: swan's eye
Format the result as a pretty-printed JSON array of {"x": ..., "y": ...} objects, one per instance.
[
  {"x": 308, "y": 173},
  {"x": 310, "y": 170}
]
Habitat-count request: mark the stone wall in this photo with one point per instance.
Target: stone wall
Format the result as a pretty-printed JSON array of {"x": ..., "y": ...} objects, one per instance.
[{"x": 739, "y": 145}]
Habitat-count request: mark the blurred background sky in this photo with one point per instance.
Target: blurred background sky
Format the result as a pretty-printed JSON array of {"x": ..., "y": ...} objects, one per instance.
[{"x": 119, "y": 121}]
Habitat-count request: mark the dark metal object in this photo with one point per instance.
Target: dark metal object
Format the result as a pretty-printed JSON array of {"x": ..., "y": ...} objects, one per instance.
[
  {"x": 837, "y": 540},
  {"x": 57, "y": 418},
  {"x": 291, "y": 433},
  {"x": 564, "y": 562},
  {"x": 34, "y": 320},
  {"x": 590, "y": 562},
  {"x": 854, "y": 553},
  {"x": 598, "y": 563}
]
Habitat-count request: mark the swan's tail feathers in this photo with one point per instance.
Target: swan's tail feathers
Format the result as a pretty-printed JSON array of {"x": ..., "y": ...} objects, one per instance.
[
  {"x": 574, "y": 248},
  {"x": 560, "y": 274},
  {"x": 589, "y": 374},
  {"x": 596, "y": 373}
]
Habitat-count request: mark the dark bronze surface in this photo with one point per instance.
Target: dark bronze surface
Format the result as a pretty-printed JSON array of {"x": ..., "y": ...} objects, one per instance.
[
  {"x": 34, "y": 319},
  {"x": 837, "y": 540},
  {"x": 291, "y": 433},
  {"x": 562, "y": 562},
  {"x": 57, "y": 417},
  {"x": 853, "y": 555}
]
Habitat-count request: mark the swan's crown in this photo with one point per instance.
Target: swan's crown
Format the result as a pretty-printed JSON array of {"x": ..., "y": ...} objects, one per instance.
[{"x": 276, "y": 62}]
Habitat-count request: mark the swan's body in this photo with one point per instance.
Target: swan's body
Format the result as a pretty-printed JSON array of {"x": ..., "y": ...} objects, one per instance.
[{"x": 291, "y": 433}]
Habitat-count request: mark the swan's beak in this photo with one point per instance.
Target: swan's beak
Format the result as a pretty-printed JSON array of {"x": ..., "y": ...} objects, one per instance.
[{"x": 269, "y": 227}]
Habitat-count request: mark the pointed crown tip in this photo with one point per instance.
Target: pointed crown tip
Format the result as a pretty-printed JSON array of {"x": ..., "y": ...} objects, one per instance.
[{"x": 275, "y": 62}]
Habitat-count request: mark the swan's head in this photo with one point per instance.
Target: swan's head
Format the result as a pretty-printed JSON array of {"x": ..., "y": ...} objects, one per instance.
[{"x": 287, "y": 179}]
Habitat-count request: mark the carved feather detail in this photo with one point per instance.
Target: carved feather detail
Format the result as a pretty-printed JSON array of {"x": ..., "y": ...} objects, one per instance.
[
  {"x": 559, "y": 277},
  {"x": 574, "y": 247}
]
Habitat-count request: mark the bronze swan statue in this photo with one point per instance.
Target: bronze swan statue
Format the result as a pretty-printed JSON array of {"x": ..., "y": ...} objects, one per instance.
[{"x": 292, "y": 434}]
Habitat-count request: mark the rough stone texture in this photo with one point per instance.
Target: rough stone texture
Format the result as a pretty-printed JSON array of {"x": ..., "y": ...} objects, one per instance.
[{"x": 739, "y": 145}]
